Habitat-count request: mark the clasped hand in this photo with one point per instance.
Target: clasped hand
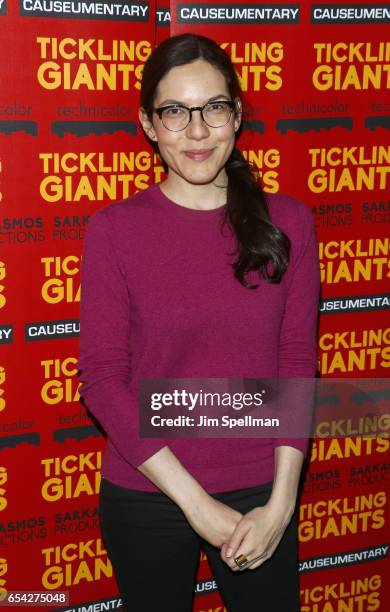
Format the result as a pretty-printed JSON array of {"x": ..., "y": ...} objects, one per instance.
[{"x": 255, "y": 534}]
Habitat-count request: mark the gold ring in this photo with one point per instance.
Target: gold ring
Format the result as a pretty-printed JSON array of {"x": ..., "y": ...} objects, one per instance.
[{"x": 241, "y": 560}]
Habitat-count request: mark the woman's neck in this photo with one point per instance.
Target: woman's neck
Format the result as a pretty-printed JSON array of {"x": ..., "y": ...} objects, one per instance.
[{"x": 202, "y": 197}]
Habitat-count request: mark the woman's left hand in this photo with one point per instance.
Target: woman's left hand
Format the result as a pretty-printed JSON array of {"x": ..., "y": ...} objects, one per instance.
[{"x": 256, "y": 536}]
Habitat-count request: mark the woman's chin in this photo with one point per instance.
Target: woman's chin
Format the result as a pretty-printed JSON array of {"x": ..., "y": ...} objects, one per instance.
[{"x": 200, "y": 177}]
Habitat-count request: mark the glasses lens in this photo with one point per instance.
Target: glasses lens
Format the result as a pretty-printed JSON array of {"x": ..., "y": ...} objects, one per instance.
[
  {"x": 217, "y": 114},
  {"x": 175, "y": 118}
]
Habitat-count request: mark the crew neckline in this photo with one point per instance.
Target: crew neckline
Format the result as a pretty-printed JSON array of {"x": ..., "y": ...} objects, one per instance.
[{"x": 184, "y": 211}]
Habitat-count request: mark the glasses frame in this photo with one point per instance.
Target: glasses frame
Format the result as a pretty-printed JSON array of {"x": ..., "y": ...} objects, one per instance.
[{"x": 159, "y": 111}]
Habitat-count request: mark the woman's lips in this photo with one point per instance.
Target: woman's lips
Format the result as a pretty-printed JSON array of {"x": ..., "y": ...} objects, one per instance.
[{"x": 199, "y": 155}]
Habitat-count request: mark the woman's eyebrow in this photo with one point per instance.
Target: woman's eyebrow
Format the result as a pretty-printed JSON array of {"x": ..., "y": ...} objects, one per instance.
[
  {"x": 166, "y": 102},
  {"x": 171, "y": 101},
  {"x": 219, "y": 97}
]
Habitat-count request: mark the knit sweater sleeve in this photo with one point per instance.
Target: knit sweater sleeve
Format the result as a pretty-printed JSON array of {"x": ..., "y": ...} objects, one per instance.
[
  {"x": 105, "y": 344},
  {"x": 298, "y": 335}
]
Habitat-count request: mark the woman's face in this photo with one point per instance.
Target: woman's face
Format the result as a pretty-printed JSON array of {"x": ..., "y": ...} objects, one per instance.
[{"x": 197, "y": 154}]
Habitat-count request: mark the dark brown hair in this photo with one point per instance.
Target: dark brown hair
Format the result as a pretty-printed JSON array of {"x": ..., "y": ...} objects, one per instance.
[{"x": 260, "y": 244}]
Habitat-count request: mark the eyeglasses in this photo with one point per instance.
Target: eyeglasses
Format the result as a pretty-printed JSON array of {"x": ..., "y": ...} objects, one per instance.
[{"x": 176, "y": 117}]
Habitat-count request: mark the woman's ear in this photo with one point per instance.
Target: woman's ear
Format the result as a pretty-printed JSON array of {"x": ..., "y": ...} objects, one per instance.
[
  {"x": 238, "y": 113},
  {"x": 147, "y": 124}
]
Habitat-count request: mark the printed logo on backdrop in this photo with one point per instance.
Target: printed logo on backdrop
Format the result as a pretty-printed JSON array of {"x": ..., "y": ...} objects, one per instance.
[
  {"x": 205, "y": 587},
  {"x": 75, "y": 433},
  {"x": 3, "y": 390},
  {"x": 307, "y": 124},
  {"x": 163, "y": 16},
  {"x": 89, "y": 563},
  {"x": 345, "y": 65},
  {"x": 339, "y": 213},
  {"x": 344, "y": 558},
  {"x": 3, "y": 7},
  {"x": 332, "y": 449},
  {"x": 76, "y": 521},
  {"x": 33, "y": 438},
  {"x": 120, "y": 10},
  {"x": 357, "y": 260},
  {"x": 59, "y": 384},
  {"x": 355, "y": 303},
  {"x": 238, "y": 13},
  {"x": 21, "y": 230},
  {"x": 350, "y": 13},
  {"x": 258, "y": 65},
  {"x": 346, "y": 593},
  {"x": 371, "y": 473},
  {"x": 6, "y": 334},
  {"x": 324, "y": 480},
  {"x": 333, "y": 518},
  {"x": 20, "y": 431},
  {"x": 23, "y": 531},
  {"x": 91, "y": 64},
  {"x": 266, "y": 163},
  {"x": 90, "y": 176},
  {"x": 71, "y": 476},
  {"x": 376, "y": 211},
  {"x": 3, "y": 491},
  {"x": 51, "y": 330},
  {"x": 3, "y": 275},
  {"x": 113, "y": 603},
  {"x": 350, "y": 168},
  {"x": 353, "y": 351}
]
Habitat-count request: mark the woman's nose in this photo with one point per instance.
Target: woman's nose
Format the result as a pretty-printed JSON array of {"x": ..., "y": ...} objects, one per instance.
[{"x": 197, "y": 128}]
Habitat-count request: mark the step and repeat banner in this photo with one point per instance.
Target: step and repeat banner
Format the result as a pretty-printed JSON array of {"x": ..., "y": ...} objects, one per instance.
[{"x": 315, "y": 78}]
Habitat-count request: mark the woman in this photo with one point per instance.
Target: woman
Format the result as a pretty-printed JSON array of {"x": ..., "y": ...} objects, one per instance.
[{"x": 199, "y": 277}]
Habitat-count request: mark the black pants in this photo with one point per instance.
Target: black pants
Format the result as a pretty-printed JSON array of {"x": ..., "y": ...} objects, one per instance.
[{"x": 155, "y": 553}]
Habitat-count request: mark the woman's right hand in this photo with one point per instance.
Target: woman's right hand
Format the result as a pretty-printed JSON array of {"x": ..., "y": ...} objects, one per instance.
[
  {"x": 210, "y": 518},
  {"x": 213, "y": 520}
]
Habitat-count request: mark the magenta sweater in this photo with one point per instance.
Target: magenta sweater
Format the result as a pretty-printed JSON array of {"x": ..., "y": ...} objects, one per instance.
[{"x": 159, "y": 300}]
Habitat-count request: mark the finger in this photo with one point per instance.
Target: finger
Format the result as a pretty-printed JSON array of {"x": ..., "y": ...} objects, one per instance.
[
  {"x": 237, "y": 538},
  {"x": 238, "y": 567},
  {"x": 259, "y": 560},
  {"x": 249, "y": 565},
  {"x": 253, "y": 562},
  {"x": 256, "y": 563},
  {"x": 245, "y": 548},
  {"x": 228, "y": 560},
  {"x": 223, "y": 551},
  {"x": 241, "y": 568}
]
